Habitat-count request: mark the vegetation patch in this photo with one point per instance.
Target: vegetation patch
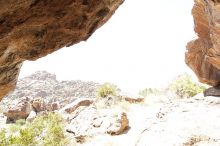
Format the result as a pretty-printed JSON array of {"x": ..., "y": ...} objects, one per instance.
[
  {"x": 150, "y": 91},
  {"x": 46, "y": 130},
  {"x": 106, "y": 90},
  {"x": 185, "y": 87}
]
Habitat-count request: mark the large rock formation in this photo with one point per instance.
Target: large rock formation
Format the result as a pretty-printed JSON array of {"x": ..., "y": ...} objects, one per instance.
[
  {"x": 203, "y": 54},
  {"x": 30, "y": 29}
]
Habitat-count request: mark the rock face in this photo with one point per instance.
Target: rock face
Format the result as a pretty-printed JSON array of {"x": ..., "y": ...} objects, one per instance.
[
  {"x": 30, "y": 29},
  {"x": 202, "y": 54}
]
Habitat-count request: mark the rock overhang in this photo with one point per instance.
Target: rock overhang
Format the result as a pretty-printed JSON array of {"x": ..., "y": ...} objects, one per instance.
[{"x": 30, "y": 29}]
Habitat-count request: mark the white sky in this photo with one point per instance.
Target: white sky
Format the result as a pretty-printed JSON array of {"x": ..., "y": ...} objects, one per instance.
[{"x": 141, "y": 46}]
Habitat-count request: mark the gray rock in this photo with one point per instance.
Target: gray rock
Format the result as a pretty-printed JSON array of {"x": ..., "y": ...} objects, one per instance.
[{"x": 44, "y": 85}]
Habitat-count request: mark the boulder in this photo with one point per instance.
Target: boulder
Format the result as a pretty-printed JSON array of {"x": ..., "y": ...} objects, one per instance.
[
  {"x": 89, "y": 121},
  {"x": 70, "y": 108},
  {"x": 202, "y": 54},
  {"x": 38, "y": 104},
  {"x": 212, "y": 91},
  {"x": 31, "y": 29},
  {"x": 120, "y": 125},
  {"x": 53, "y": 106},
  {"x": 31, "y": 116},
  {"x": 131, "y": 98},
  {"x": 18, "y": 110},
  {"x": 26, "y": 108}
]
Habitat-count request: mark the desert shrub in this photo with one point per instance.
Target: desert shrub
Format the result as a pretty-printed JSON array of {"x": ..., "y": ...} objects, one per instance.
[
  {"x": 17, "y": 126},
  {"x": 149, "y": 91},
  {"x": 55, "y": 132},
  {"x": 107, "y": 89},
  {"x": 185, "y": 87},
  {"x": 45, "y": 130},
  {"x": 3, "y": 139},
  {"x": 20, "y": 122}
]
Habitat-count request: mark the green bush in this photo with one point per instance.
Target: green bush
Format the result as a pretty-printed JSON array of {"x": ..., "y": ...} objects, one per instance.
[
  {"x": 149, "y": 91},
  {"x": 55, "y": 133},
  {"x": 20, "y": 122},
  {"x": 107, "y": 89},
  {"x": 44, "y": 130},
  {"x": 184, "y": 86}
]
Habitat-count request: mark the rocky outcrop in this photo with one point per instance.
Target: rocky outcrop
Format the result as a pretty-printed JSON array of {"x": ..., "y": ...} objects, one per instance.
[
  {"x": 203, "y": 53},
  {"x": 45, "y": 86},
  {"x": 89, "y": 121},
  {"x": 26, "y": 108},
  {"x": 30, "y": 29},
  {"x": 18, "y": 110},
  {"x": 70, "y": 108}
]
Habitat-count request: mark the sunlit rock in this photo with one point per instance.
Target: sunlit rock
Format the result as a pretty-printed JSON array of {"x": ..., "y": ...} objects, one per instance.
[{"x": 203, "y": 53}]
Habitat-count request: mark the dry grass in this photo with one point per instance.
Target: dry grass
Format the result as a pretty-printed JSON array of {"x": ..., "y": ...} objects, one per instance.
[{"x": 194, "y": 140}]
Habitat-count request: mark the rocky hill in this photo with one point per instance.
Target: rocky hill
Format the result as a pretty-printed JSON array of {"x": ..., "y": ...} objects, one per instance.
[{"x": 45, "y": 85}]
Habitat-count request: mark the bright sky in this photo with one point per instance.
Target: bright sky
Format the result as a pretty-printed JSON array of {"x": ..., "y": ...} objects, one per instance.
[{"x": 141, "y": 46}]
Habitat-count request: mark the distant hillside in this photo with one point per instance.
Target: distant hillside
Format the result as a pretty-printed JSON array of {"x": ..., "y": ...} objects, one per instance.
[{"x": 44, "y": 84}]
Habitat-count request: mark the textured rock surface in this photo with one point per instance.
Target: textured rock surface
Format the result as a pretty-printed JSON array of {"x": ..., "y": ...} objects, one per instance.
[
  {"x": 79, "y": 102},
  {"x": 30, "y": 29},
  {"x": 23, "y": 108},
  {"x": 90, "y": 121},
  {"x": 19, "y": 109},
  {"x": 212, "y": 91},
  {"x": 44, "y": 85},
  {"x": 203, "y": 54}
]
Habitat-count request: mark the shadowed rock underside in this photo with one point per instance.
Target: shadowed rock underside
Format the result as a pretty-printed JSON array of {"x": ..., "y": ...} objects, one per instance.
[{"x": 30, "y": 29}]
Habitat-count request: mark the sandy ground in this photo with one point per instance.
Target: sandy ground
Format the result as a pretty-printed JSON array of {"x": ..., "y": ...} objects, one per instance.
[{"x": 185, "y": 122}]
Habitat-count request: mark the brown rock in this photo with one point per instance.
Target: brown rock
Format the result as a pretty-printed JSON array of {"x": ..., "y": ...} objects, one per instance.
[
  {"x": 52, "y": 106},
  {"x": 131, "y": 98},
  {"x": 17, "y": 111},
  {"x": 119, "y": 126},
  {"x": 212, "y": 91},
  {"x": 202, "y": 54},
  {"x": 30, "y": 29},
  {"x": 134, "y": 100},
  {"x": 38, "y": 104},
  {"x": 70, "y": 108},
  {"x": 80, "y": 139}
]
